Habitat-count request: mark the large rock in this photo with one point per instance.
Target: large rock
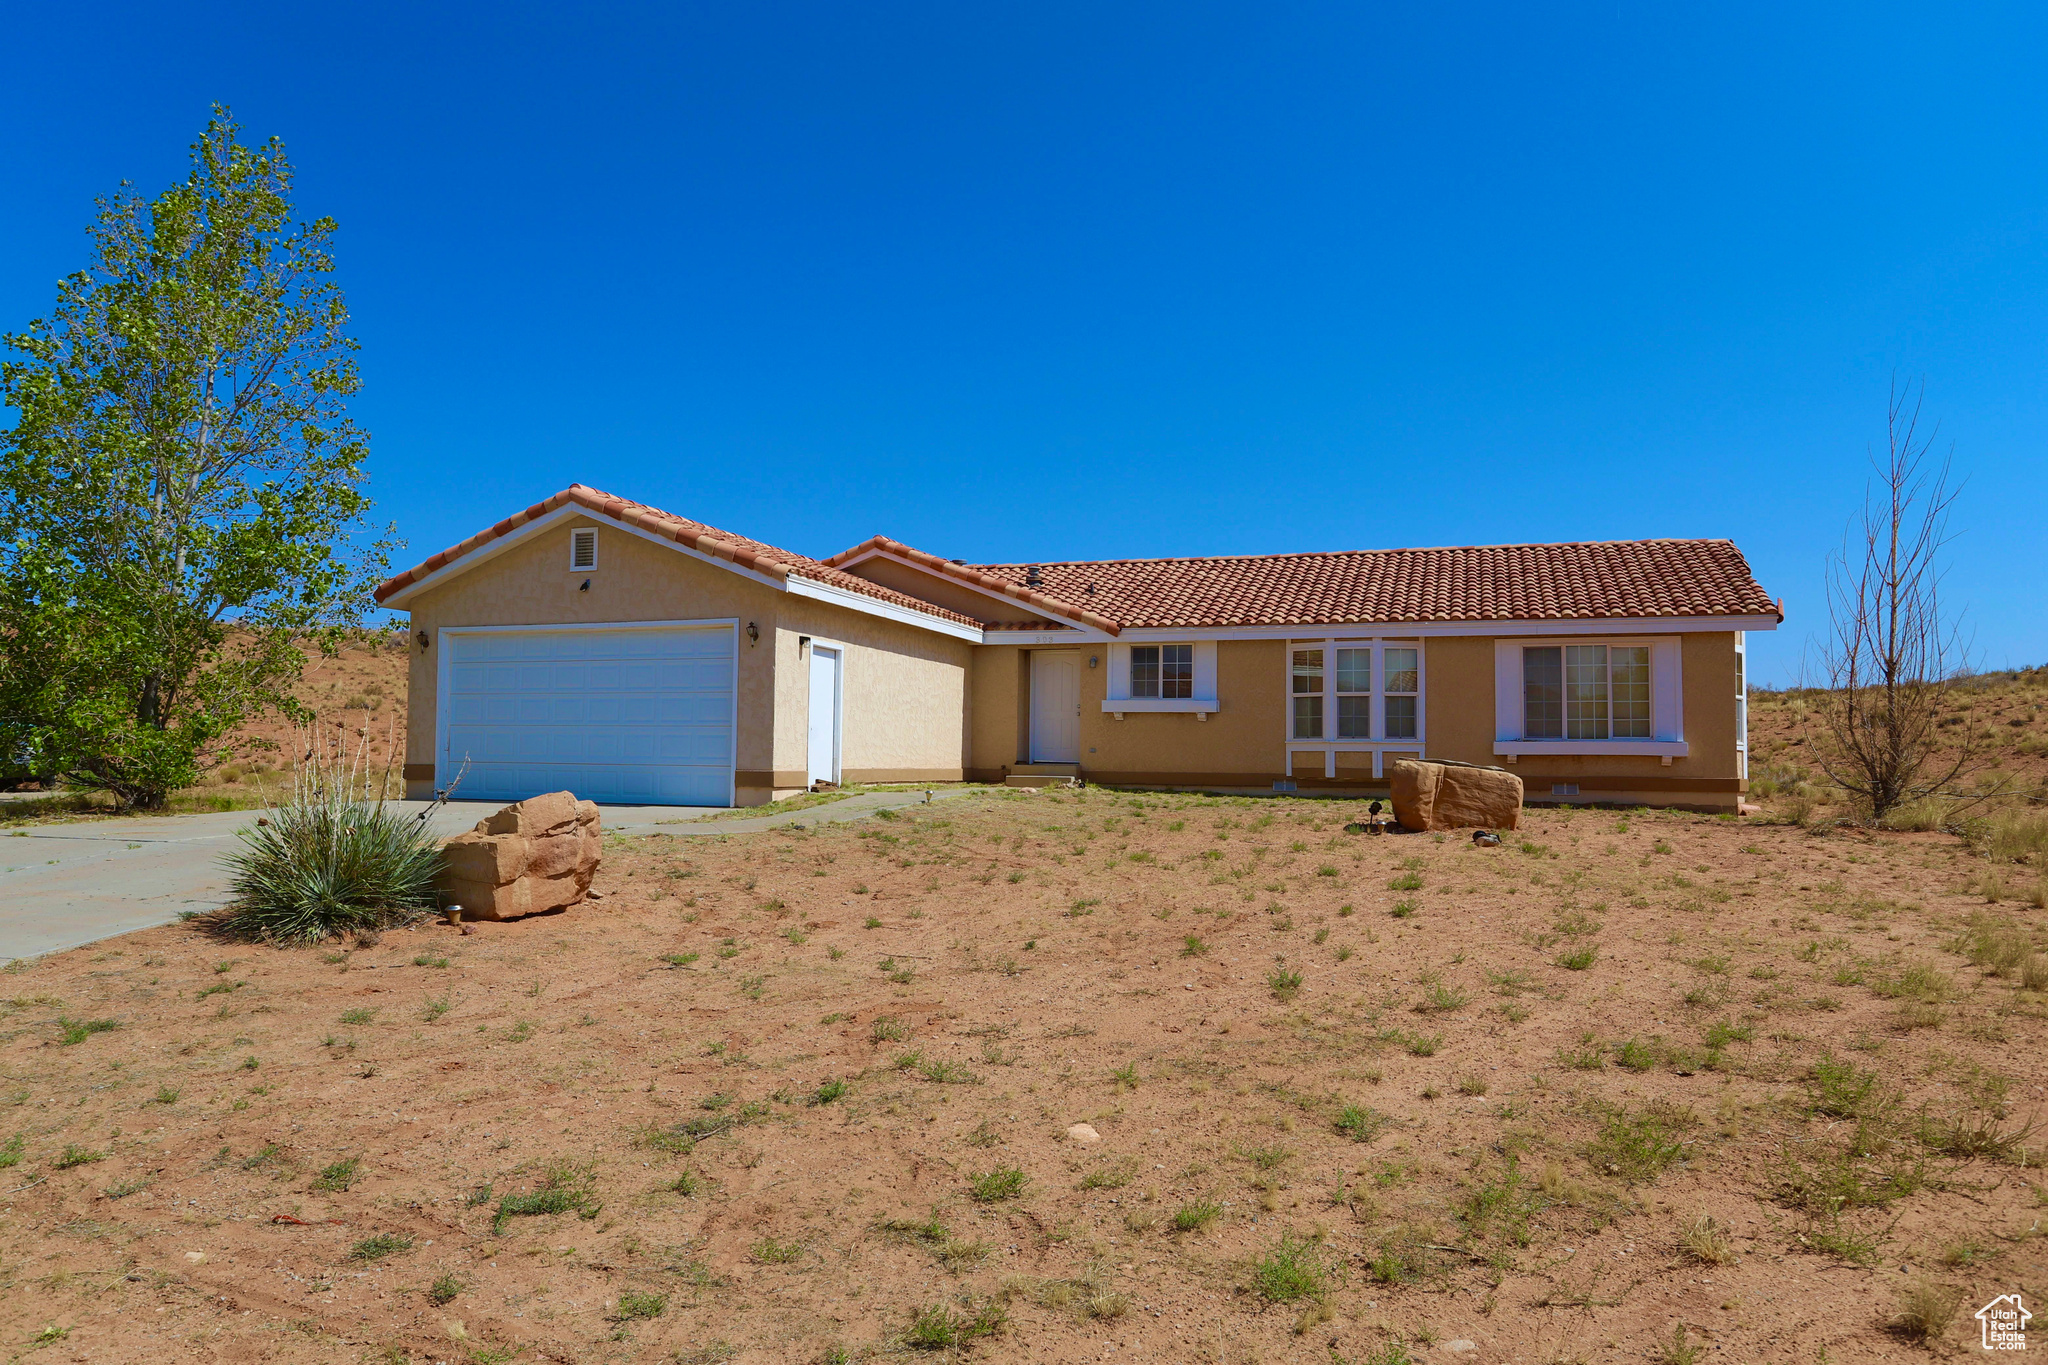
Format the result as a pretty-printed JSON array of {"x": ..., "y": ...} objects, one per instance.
[
  {"x": 536, "y": 855},
  {"x": 1439, "y": 795}
]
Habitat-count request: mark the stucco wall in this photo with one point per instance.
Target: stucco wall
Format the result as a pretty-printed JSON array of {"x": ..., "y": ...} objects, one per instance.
[
  {"x": 905, "y": 704},
  {"x": 905, "y": 687},
  {"x": 1243, "y": 744}
]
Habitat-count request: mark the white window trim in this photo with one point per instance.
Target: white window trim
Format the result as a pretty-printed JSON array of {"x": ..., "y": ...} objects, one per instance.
[
  {"x": 575, "y": 533},
  {"x": 1118, "y": 700},
  {"x": 1667, "y": 701},
  {"x": 1329, "y": 747}
]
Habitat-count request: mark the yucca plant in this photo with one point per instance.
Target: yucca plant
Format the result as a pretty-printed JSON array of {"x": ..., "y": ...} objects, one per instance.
[{"x": 332, "y": 857}]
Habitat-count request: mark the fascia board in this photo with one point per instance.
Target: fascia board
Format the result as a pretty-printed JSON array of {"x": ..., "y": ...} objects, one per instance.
[
  {"x": 1307, "y": 630},
  {"x": 799, "y": 586},
  {"x": 492, "y": 549}
]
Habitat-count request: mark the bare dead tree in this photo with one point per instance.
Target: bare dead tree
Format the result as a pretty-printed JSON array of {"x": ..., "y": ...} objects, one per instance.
[{"x": 1893, "y": 659}]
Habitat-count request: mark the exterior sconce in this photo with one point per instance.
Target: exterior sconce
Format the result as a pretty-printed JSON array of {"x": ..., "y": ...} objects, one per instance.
[
  {"x": 585, "y": 587},
  {"x": 1092, "y": 661},
  {"x": 424, "y": 641},
  {"x": 753, "y": 633}
]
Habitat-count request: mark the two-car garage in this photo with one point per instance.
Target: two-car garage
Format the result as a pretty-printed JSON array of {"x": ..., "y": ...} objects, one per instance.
[{"x": 636, "y": 714}]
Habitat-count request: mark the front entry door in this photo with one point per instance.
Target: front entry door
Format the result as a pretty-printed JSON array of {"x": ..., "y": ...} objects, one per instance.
[{"x": 1055, "y": 706}]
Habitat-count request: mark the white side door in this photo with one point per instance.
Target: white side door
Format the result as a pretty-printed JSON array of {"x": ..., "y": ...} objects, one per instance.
[
  {"x": 825, "y": 707},
  {"x": 1055, "y": 706}
]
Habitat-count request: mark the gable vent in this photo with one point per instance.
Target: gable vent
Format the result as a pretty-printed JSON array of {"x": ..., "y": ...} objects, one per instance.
[{"x": 583, "y": 548}]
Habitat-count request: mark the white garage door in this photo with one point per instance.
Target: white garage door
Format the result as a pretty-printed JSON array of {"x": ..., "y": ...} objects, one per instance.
[{"x": 632, "y": 714}]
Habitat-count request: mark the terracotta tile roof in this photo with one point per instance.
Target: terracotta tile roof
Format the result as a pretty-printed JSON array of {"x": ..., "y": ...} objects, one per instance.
[
  {"x": 988, "y": 581},
  {"x": 756, "y": 555},
  {"x": 1584, "y": 581}
]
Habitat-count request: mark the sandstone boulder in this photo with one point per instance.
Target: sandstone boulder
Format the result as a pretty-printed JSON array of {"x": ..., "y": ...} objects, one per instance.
[
  {"x": 538, "y": 854},
  {"x": 1438, "y": 795}
]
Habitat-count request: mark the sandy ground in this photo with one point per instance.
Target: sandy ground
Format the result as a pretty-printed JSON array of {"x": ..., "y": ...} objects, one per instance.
[{"x": 209, "y": 1177}]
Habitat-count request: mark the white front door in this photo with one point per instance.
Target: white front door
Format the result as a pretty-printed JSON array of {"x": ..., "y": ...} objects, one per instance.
[
  {"x": 1055, "y": 706},
  {"x": 617, "y": 713},
  {"x": 824, "y": 714}
]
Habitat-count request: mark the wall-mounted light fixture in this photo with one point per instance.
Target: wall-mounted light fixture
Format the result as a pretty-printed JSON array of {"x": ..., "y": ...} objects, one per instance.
[
  {"x": 424, "y": 641},
  {"x": 753, "y": 633},
  {"x": 803, "y": 642},
  {"x": 585, "y": 587},
  {"x": 1092, "y": 661}
]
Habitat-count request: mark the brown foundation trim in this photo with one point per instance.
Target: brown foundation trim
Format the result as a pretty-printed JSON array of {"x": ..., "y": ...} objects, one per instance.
[
  {"x": 993, "y": 776},
  {"x": 1535, "y": 783},
  {"x": 901, "y": 775},
  {"x": 419, "y": 772},
  {"x": 794, "y": 777}
]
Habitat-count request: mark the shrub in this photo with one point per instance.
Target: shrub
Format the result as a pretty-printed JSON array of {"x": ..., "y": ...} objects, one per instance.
[{"x": 329, "y": 861}]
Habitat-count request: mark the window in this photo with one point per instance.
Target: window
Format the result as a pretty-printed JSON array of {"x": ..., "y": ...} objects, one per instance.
[
  {"x": 1586, "y": 692},
  {"x": 1354, "y": 694},
  {"x": 1401, "y": 687},
  {"x": 1308, "y": 693},
  {"x": 583, "y": 548},
  {"x": 1166, "y": 671}
]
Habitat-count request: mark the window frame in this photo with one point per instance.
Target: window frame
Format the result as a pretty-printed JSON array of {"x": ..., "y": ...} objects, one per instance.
[
  {"x": 1304, "y": 751},
  {"x": 1665, "y": 659}
]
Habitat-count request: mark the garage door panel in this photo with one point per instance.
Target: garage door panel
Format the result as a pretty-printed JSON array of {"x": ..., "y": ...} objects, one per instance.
[{"x": 628, "y": 715}]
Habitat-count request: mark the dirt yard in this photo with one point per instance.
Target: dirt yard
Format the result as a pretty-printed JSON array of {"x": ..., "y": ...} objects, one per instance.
[{"x": 1632, "y": 1086}]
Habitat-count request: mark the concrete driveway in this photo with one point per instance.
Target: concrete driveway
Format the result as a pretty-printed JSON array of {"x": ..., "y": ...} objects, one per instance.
[{"x": 62, "y": 885}]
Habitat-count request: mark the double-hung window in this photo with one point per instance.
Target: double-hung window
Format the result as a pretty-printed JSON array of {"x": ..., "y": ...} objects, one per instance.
[
  {"x": 1307, "y": 699},
  {"x": 1163, "y": 671},
  {"x": 1401, "y": 687},
  {"x": 1354, "y": 694},
  {"x": 1586, "y": 692}
]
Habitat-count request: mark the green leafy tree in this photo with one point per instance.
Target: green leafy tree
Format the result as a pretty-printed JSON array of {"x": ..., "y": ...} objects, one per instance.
[{"x": 181, "y": 497}]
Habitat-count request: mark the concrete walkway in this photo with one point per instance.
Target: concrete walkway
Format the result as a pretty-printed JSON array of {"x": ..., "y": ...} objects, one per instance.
[{"x": 67, "y": 884}]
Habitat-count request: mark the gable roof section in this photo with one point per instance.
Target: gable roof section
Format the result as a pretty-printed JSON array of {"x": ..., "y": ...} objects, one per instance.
[
  {"x": 981, "y": 580},
  {"x": 1582, "y": 581},
  {"x": 757, "y": 556}
]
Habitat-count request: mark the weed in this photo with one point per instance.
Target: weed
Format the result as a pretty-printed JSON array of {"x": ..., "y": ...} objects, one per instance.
[
  {"x": 939, "y": 1328},
  {"x": 828, "y": 1092},
  {"x": 768, "y": 1251},
  {"x": 1925, "y": 1310},
  {"x": 1285, "y": 984},
  {"x": 1472, "y": 1085},
  {"x": 1638, "y": 1146},
  {"x": 75, "y": 1031},
  {"x": 563, "y": 1188},
  {"x": 887, "y": 1028},
  {"x": 1679, "y": 1351},
  {"x": 1113, "y": 1176},
  {"x": 1193, "y": 1217},
  {"x": 1407, "y": 881},
  {"x": 1701, "y": 1238},
  {"x": 1294, "y": 1270},
  {"x": 75, "y": 1155},
  {"x": 338, "y": 1177},
  {"x": 1578, "y": 959},
  {"x": 1360, "y": 1123},
  {"x": 1005, "y": 1182},
  {"x": 1402, "y": 909},
  {"x": 1192, "y": 946},
  {"x": 378, "y": 1247},
  {"x": 1440, "y": 998},
  {"x": 445, "y": 1290}
]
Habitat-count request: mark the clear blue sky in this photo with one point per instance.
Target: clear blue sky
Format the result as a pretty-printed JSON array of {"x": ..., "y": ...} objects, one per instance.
[{"x": 1055, "y": 282}]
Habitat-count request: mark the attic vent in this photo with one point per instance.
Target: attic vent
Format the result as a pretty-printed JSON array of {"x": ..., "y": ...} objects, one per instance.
[
  {"x": 583, "y": 548},
  {"x": 1031, "y": 578},
  {"x": 1564, "y": 789}
]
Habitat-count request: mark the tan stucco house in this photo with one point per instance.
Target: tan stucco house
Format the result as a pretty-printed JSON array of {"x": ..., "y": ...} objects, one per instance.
[{"x": 630, "y": 655}]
